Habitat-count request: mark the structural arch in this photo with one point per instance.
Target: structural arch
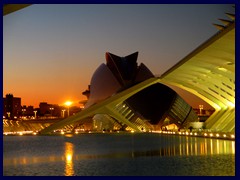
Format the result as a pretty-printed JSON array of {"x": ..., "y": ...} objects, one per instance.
[{"x": 209, "y": 73}]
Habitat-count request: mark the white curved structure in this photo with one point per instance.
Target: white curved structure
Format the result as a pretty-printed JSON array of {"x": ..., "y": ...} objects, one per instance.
[
  {"x": 103, "y": 85},
  {"x": 209, "y": 73}
]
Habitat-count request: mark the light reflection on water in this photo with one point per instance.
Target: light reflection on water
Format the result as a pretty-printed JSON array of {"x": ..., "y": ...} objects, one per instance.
[
  {"x": 69, "y": 169},
  {"x": 75, "y": 149}
]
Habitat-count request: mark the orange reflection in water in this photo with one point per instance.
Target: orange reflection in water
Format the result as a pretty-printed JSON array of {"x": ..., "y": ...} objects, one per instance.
[
  {"x": 25, "y": 160},
  {"x": 69, "y": 168},
  {"x": 190, "y": 147},
  {"x": 207, "y": 147}
]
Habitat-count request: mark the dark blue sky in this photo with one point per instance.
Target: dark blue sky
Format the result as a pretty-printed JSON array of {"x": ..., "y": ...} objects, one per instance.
[{"x": 51, "y": 51}]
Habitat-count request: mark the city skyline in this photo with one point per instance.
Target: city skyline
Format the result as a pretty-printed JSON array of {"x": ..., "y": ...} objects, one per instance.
[{"x": 60, "y": 46}]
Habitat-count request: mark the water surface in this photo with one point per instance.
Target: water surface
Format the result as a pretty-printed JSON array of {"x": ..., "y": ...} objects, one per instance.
[{"x": 117, "y": 154}]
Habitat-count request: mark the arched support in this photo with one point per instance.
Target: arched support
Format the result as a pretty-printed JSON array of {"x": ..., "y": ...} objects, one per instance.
[{"x": 105, "y": 107}]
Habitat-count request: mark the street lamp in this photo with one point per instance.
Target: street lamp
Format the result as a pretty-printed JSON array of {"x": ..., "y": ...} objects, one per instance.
[
  {"x": 200, "y": 108},
  {"x": 8, "y": 113},
  {"x": 68, "y": 104},
  {"x": 35, "y": 112},
  {"x": 63, "y": 112}
]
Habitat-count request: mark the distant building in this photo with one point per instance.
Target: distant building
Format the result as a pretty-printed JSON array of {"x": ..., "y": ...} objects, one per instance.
[
  {"x": 54, "y": 110},
  {"x": 27, "y": 111},
  {"x": 49, "y": 110},
  {"x": 44, "y": 108},
  {"x": 12, "y": 106}
]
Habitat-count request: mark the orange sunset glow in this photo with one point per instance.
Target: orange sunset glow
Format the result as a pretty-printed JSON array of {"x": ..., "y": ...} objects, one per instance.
[{"x": 51, "y": 51}]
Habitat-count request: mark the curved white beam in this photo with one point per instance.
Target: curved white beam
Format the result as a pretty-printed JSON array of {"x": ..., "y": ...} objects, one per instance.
[{"x": 209, "y": 73}]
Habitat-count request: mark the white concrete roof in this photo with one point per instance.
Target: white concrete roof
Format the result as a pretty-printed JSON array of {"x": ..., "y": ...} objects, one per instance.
[{"x": 209, "y": 73}]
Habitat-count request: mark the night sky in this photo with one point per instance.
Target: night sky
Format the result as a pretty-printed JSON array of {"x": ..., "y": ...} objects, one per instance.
[{"x": 51, "y": 51}]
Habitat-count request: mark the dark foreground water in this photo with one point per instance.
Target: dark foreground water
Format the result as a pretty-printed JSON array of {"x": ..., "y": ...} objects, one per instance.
[{"x": 119, "y": 154}]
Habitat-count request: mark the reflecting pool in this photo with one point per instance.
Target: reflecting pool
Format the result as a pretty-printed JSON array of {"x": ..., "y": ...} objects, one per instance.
[{"x": 117, "y": 154}]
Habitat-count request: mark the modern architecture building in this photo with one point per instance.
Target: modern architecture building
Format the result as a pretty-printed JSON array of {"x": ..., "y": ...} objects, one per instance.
[
  {"x": 130, "y": 97},
  {"x": 147, "y": 109},
  {"x": 127, "y": 95},
  {"x": 209, "y": 73},
  {"x": 151, "y": 108}
]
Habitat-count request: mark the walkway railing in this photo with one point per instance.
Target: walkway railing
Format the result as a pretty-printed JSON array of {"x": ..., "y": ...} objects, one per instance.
[{"x": 205, "y": 134}]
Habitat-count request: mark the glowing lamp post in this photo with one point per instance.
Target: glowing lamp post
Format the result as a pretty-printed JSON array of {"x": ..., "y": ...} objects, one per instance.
[
  {"x": 200, "y": 108},
  {"x": 63, "y": 111},
  {"x": 35, "y": 112},
  {"x": 8, "y": 113},
  {"x": 68, "y": 104}
]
